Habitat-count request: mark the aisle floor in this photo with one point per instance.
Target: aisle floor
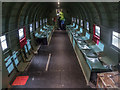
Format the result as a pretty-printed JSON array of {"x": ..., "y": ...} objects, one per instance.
[{"x": 63, "y": 68}]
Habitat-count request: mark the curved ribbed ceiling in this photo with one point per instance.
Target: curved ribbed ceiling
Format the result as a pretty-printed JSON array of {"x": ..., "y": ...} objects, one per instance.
[{"x": 23, "y": 13}]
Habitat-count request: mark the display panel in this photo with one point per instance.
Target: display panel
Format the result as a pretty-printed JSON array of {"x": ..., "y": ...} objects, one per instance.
[
  {"x": 31, "y": 29},
  {"x": 21, "y": 33},
  {"x": 3, "y": 42},
  {"x": 97, "y": 31},
  {"x": 87, "y": 25},
  {"x": 116, "y": 39}
]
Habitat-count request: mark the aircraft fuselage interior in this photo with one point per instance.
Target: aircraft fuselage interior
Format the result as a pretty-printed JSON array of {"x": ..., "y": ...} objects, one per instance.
[{"x": 60, "y": 45}]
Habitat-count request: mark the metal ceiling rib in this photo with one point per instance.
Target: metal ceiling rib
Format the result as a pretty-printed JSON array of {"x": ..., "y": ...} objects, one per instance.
[{"x": 28, "y": 12}]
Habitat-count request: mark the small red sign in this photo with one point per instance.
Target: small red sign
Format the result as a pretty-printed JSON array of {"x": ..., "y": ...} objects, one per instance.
[{"x": 20, "y": 80}]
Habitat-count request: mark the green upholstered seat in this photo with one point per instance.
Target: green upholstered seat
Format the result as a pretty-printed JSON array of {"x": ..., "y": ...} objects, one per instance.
[{"x": 95, "y": 65}]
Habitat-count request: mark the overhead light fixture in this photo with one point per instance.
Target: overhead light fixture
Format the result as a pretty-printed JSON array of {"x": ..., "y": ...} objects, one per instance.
[{"x": 58, "y": 1}]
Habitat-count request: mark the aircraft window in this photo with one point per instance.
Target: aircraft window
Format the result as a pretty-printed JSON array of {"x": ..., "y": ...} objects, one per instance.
[
  {"x": 43, "y": 21},
  {"x": 3, "y": 42},
  {"x": 31, "y": 28},
  {"x": 97, "y": 31},
  {"x": 116, "y": 39},
  {"x": 72, "y": 19},
  {"x": 40, "y": 22},
  {"x": 52, "y": 19},
  {"x": 36, "y": 24},
  {"x": 77, "y": 21},
  {"x": 81, "y": 22},
  {"x": 21, "y": 33},
  {"x": 87, "y": 25},
  {"x": 46, "y": 20}
]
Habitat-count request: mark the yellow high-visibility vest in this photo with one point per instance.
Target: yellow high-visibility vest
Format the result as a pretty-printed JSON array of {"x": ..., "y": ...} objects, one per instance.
[{"x": 61, "y": 16}]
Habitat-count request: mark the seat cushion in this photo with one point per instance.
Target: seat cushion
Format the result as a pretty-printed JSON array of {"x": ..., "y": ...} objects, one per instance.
[{"x": 95, "y": 64}]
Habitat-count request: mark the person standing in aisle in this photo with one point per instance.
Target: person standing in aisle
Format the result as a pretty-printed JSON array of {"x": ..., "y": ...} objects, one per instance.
[{"x": 62, "y": 20}]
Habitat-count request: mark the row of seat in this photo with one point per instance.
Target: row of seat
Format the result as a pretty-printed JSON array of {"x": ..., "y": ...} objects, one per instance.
[
  {"x": 44, "y": 33},
  {"x": 17, "y": 61},
  {"x": 88, "y": 52}
]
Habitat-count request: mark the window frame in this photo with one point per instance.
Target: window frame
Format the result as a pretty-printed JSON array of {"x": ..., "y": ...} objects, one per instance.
[
  {"x": 40, "y": 22},
  {"x": 72, "y": 19},
  {"x": 118, "y": 38},
  {"x": 95, "y": 30},
  {"x": 81, "y": 23},
  {"x": 2, "y": 41},
  {"x": 19, "y": 34},
  {"x": 88, "y": 26},
  {"x": 36, "y": 25},
  {"x": 78, "y": 21},
  {"x": 30, "y": 27},
  {"x": 43, "y": 21},
  {"x": 46, "y": 20}
]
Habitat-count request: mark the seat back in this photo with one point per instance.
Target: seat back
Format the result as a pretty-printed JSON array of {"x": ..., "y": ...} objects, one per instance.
[
  {"x": 41, "y": 29},
  {"x": 25, "y": 47},
  {"x": 15, "y": 58},
  {"x": 43, "y": 26},
  {"x": 9, "y": 64},
  {"x": 81, "y": 30},
  {"x": 73, "y": 24},
  {"x": 76, "y": 27},
  {"x": 36, "y": 34},
  {"x": 101, "y": 46},
  {"x": 28, "y": 44},
  {"x": 87, "y": 35}
]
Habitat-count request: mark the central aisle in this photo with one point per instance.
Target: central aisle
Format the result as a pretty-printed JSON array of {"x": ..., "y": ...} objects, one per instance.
[{"x": 63, "y": 68}]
